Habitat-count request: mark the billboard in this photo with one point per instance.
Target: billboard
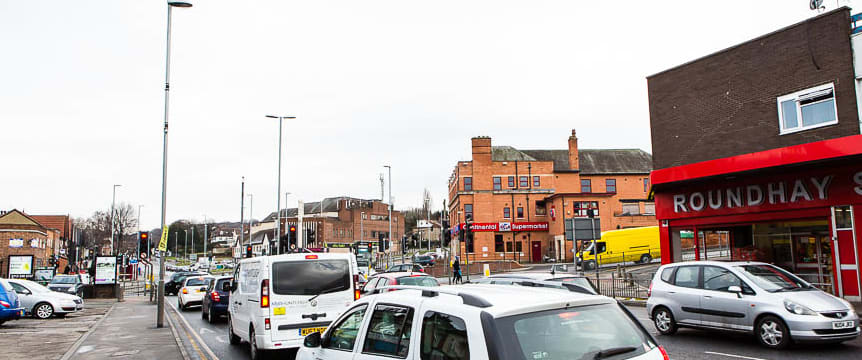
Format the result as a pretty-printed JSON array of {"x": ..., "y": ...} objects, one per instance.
[
  {"x": 106, "y": 270},
  {"x": 20, "y": 266}
]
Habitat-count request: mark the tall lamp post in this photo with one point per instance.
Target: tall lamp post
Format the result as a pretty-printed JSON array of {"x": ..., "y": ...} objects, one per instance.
[
  {"x": 390, "y": 208},
  {"x": 278, "y": 193},
  {"x": 287, "y": 233},
  {"x": 160, "y": 314},
  {"x": 205, "y": 239},
  {"x": 113, "y": 201},
  {"x": 138, "y": 254}
]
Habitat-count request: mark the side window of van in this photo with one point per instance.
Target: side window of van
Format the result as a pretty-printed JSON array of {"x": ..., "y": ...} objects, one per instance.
[
  {"x": 235, "y": 280},
  {"x": 343, "y": 336},
  {"x": 601, "y": 246},
  {"x": 389, "y": 331},
  {"x": 443, "y": 337}
]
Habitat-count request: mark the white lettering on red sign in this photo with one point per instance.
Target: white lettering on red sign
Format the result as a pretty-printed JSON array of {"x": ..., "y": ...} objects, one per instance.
[{"x": 754, "y": 195}]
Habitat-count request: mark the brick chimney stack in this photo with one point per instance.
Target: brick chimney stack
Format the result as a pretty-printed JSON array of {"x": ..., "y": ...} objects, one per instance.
[
  {"x": 573, "y": 152},
  {"x": 481, "y": 149}
]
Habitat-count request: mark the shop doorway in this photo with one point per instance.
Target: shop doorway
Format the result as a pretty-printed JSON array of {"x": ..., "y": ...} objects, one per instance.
[
  {"x": 713, "y": 244},
  {"x": 846, "y": 253},
  {"x": 536, "y": 251}
]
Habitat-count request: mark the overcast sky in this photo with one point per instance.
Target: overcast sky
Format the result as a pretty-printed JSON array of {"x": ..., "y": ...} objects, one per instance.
[{"x": 405, "y": 83}]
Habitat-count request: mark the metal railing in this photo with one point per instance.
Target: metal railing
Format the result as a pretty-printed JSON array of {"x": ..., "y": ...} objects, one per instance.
[{"x": 625, "y": 285}]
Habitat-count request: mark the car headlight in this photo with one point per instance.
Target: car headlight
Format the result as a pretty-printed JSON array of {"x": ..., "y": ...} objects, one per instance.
[
  {"x": 849, "y": 305},
  {"x": 797, "y": 308},
  {"x": 71, "y": 290}
]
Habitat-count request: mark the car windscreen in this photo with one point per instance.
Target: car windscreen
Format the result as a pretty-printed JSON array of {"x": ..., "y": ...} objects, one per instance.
[
  {"x": 772, "y": 278},
  {"x": 601, "y": 331},
  {"x": 418, "y": 281},
  {"x": 310, "y": 277},
  {"x": 60, "y": 279},
  {"x": 197, "y": 281}
]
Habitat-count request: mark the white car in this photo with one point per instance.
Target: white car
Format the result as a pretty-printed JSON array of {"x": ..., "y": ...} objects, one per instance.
[
  {"x": 42, "y": 302},
  {"x": 192, "y": 291},
  {"x": 483, "y": 322},
  {"x": 275, "y": 301}
]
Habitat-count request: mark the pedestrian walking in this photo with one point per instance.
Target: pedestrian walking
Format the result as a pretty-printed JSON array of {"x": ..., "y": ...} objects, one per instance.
[{"x": 456, "y": 270}]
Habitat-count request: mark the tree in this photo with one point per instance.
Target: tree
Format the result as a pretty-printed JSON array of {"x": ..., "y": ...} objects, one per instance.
[{"x": 97, "y": 228}]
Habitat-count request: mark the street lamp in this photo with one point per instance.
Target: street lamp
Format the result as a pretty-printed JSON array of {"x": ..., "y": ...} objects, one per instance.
[
  {"x": 186, "y": 246},
  {"x": 390, "y": 203},
  {"x": 250, "y": 214},
  {"x": 113, "y": 201},
  {"x": 205, "y": 238},
  {"x": 138, "y": 254},
  {"x": 287, "y": 233},
  {"x": 160, "y": 314},
  {"x": 278, "y": 193}
]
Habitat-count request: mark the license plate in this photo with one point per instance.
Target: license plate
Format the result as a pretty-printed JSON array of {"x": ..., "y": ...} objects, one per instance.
[
  {"x": 200, "y": 291},
  {"x": 842, "y": 324},
  {"x": 306, "y": 331},
  {"x": 278, "y": 311}
]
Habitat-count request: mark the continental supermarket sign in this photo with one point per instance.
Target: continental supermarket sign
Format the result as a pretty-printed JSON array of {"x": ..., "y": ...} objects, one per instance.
[{"x": 508, "y": 226}]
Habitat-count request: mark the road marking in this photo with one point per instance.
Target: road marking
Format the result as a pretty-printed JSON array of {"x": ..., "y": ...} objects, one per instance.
[
  {"x": 205, "y": 330},
  {"x": 222, "y": 339},
  {"x": 732, "y": 355},
  {"x": 190, "y": 333}
]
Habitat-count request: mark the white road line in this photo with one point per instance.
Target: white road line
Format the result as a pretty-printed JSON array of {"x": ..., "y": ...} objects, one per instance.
[
  {"x": 188, "y": 326},
  {"x": 732, "y": 355}
]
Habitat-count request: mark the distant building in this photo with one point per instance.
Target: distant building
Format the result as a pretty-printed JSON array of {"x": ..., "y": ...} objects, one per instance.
[
  {"x": 21, "y": 234},
  {"x": 519, "y": 199}
]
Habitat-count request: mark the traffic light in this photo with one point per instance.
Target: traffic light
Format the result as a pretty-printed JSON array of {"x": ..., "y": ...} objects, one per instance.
[
  {"x": 248, "y": 252},
  {"x": 381, "y": 244},
  {"x": 468, "y": 236},
  {"x": 143, "y": 240},
  {"x": 403, "y": 245},
  {"x": 447, "y": 235}
]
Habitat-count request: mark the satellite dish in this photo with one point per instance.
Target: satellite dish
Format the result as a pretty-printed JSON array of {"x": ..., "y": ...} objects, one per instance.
[{"x": 815, "y": 4}]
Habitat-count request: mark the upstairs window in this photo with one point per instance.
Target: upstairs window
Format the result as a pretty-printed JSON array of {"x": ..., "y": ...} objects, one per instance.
[
  {"x": 807, "y": 109},
  {"x": 498, "y": 183},
  {"x": 507, "y": 213},
  {"x": 536, "y": 182},
  {"x": 524, "y": 181},
  {"x": 468, "y": 212},
  {"x": 520, "y": 211},
  {"x": 511, "y": 181},
  {"x": 468, "y": 184},
  {"x": 646, "y": 184},
  {"x": 611, "y": 185},
  {"x": 586, "y": 186}
]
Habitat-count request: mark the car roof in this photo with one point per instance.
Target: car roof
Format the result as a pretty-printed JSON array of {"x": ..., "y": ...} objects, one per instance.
[
  {"x": 201, "y": 277},
  {"x": 505, "y": 300},
  {"x": 399, "y": 274},
  {"x": 715, "y": 262}
]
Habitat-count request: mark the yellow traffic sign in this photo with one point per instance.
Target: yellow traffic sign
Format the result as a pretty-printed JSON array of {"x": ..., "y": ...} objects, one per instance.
[{"x": 163, "y": 242}]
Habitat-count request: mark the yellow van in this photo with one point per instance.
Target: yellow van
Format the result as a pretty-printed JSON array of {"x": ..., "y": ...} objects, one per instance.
[{"x": 639, "y": 245}]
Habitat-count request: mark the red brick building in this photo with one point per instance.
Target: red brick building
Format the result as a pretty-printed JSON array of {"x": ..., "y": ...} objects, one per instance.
[
  {"x": 519, "y": 199},
  {"x": 758, "y": 153},
  {"x": 21, "y": 234}
]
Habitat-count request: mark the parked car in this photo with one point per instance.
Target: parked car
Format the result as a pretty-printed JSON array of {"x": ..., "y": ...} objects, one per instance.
[
  {"x": 172, "y": 287},
  {"x": 68, "y": 284},
  {"x": 776, "y": 306},
  {"x": 424, "y": 260},
  {"x": 483, "y": 322},
  {"x": 516, "y": 278},
  {"x": 192, "y": 291},
  {"x": 406, "y": 268},
  {"x": 10, "y": 305},
  {"x": 399, "y": 278},
  {"x": 276, "y": 300},
  {"x": 42, "y": 303},
  {"x": 216, "y": 300}
]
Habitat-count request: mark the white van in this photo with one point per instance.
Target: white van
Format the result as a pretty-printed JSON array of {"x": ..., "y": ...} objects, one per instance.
[{"x": 275, "y": 301}]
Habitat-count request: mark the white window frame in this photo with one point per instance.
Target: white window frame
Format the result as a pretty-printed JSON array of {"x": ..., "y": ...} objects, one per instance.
[{"x": 796, "y": 97}]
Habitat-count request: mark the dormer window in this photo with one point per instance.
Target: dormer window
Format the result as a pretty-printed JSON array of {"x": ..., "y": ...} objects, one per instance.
[{"x": 807, "y": 109}]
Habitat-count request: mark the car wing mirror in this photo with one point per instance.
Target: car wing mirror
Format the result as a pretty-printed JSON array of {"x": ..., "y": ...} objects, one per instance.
[
  {"x": 735, "y": 289},
  {"x": 312, "y": 340}
]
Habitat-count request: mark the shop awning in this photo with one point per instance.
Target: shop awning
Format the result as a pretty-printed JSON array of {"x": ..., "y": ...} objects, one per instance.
[{"x": 790, "y": 155}]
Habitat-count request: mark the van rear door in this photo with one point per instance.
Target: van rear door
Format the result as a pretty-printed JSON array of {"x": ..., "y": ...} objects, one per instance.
[{"x": 308, "y": 294}]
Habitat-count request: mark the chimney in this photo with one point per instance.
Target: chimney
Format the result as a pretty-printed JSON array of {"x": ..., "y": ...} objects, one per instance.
[
  {"x": 574, "y": 164},
  {"x": 481, "y": 149}
]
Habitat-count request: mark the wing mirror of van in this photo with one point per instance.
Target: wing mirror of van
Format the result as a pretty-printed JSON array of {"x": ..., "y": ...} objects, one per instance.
[
  {"x": 312, "y": 340},
  {"x": 233, "y": 286},
  {"x": 735, "y": 289}
]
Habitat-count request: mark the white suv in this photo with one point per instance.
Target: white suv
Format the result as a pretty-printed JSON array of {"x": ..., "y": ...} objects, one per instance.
[{"x": 483, "y": 322}]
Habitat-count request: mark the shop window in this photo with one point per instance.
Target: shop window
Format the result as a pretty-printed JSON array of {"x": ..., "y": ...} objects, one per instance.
[
  {"x": 649, "y": 209},
  {"x": 509, "y": 246},
  {"x": 520, "y": 212},
  {"x": 611, "y": 185},
  {"x": 807, "y": 109},
  {"x": 498, "y": 243},
  {"x": 468, "y": 212},
  {"x": 511, "y": 181},
  {"x": 842, "y": 217},
  {"x": 541, "y": 210},
  {"x": 582, "y": 208},
  {"x": 518, "y": 247},
  {"x": 524, "y": 181},
  {"x": 498, "y": 183},
  {"x": 536, "y": 181},
  {"x": 507, "y": 212},
  {"x": 586, "y": 186},
  {"x": 631, "y": 209},
  {"x": 468, "y": 184}
]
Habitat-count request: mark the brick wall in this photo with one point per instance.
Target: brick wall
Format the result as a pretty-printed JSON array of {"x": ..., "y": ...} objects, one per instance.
[
  {"x": 40, "y": 255},
  {"x": 725, "y": 104}
]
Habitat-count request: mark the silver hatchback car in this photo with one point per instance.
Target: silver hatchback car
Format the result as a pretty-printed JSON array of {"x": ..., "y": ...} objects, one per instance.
[{"x": 776, "y": 306}]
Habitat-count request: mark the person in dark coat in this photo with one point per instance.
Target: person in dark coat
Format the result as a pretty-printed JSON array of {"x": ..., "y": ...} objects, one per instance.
[{"x": 456, "y": 270}]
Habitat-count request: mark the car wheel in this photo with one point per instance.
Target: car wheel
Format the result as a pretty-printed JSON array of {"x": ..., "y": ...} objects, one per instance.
[
  {"x": 254, "y": 352},
  {"x": 646, "y": 259},
  {"x": 664, "y": 322},
  {"x": 43, "y": 310},
  {"x": 772, "y": 333},
  {"x": 590, "y": 265},
  {"x": 203, "y": 314},
  {"x": 180, "y": 305},
  {"x": 210, "y": 318},
  {"x": 234, "y": 340}
]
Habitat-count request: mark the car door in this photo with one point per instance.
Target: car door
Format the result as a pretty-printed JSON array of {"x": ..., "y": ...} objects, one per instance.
[
  {"x": 442, "y": 333},
  {"x": 389, "y": 331},
  {"x": 720, "y": 307},
  {"x": 685, "y": 294},
  {"x": 339, "y": 342},
  {"x": 25, "y": 296}
]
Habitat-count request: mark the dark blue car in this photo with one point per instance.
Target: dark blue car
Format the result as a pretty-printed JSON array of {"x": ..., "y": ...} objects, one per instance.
[
  {"x": 215, "y": 302},
  {"x": 10, "y": 306}
]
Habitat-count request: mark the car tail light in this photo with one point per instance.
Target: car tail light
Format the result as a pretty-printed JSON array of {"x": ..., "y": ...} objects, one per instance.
[
  {"x": 649, "y": 292},
  {"x": 264, "y": 293},
  {"x": 5, "y": 304},
  {"x": 214, "y": 296},
  {"x": 266, "y": 324},
  {"x": 185, "y": 291},
  {"x": 663, "y": 353},
  {"x": 310, "y": 257}
]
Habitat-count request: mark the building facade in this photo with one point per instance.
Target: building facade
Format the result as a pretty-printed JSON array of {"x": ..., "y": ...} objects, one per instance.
[
  {"x": 21, "y": 234},
  {"x": 518, "y": 200},
  {"x": 758, "y": 153}
]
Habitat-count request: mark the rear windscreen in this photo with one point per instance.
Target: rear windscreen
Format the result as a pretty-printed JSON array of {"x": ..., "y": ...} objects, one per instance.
[
  {"x": 310, "y": 277},
  {"x": 418, "y": 281}
]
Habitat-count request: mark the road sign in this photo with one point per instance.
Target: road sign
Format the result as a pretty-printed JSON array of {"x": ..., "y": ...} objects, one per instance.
[
  {"x": 163, "y": 242},
  {"x": 583, "y": 229},
  {"x": 133, "y": 261}
]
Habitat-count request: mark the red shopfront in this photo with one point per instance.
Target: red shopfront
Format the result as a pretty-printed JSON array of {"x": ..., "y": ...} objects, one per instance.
[{"x": 797, "y": 207}]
